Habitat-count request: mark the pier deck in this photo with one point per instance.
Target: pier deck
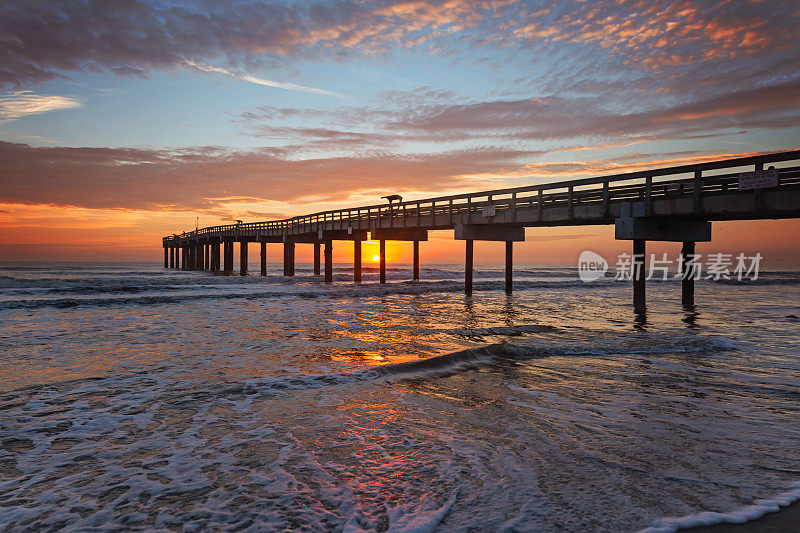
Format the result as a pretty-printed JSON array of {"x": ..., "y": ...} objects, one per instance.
[{"x": 669, "y": 204}]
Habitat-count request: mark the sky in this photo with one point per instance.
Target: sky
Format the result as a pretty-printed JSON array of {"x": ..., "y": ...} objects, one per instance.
[{"x": 123, "y": 121}]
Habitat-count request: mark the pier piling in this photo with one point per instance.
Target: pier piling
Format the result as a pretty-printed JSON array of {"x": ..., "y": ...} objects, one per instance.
[
  {"x": 357, "y": 261},
  {"x": 468, "y": 267},
  {"x": 215, "y": 255},
  {"x": 687, "y": 274},
  {"x": 382, "y": 254},
  {"x": 263, "y": 257},
  {"x": 288, "y": 258},
  {"x": 416, "y": 260},
  {"x": 509, "y": 266},
  {"x": 243, "y": 258},
  {"x": 328, "y": 261},
  {"x": 316, "y": 258},
  {"x": 639, "y": 277},
  {"x": 227, "y": 247}
]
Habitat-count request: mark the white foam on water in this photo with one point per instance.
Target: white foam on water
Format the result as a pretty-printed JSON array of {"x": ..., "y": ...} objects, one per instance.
[
  {"x": 741, "y": 515},
  {"x": 296, "y": 405}
]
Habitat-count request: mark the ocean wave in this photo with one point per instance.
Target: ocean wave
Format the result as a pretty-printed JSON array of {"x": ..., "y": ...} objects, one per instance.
[
  {"x": 497, "y": 354},
  {"x": 742, "y": 515},
  {"x": 177, "y": 294}
]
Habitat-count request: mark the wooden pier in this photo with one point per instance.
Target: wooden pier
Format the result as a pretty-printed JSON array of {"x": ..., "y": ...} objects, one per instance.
[{"x": 665, "y": 204}]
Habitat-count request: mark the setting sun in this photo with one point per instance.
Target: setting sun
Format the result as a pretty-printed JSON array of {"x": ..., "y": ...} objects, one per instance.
[{"x": 376, "y": 258}]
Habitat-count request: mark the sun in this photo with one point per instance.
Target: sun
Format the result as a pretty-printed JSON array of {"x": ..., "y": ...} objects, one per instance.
[{"x": 376, "y": 258}]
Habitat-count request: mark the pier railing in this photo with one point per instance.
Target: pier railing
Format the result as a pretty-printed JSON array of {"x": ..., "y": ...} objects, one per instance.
[{"x": 686, "y": 181}]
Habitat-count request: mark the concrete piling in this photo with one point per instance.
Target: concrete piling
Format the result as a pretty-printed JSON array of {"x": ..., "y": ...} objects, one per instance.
[
  {"x": 357, "y": 261},
  {"x": 263, "y": 257},
  {"x": 329, "y": 261},
  {"x": 639, "y": 274},
  {"x": 243, "y": 258},
  {"x": 382, "y": 253},
  {"x": 416, "y": 260},
  {"x": 288, "y": 258},
  {"x": 687, "y": 274},
  {"x": 468, "y": 267},
  {"x": 227, "y": 248},
  {"x": 509, "y": 266},
  {"x": 215, "y": 255}
]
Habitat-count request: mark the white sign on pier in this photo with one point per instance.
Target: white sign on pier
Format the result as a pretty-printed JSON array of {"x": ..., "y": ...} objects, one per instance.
[{"x": 760, "y": 179}]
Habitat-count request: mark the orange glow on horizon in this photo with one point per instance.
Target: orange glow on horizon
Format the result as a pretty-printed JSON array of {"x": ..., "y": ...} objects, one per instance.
[{"x": 57, "y": 233}]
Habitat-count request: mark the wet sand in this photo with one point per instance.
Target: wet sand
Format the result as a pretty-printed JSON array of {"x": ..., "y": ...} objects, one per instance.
[{"x": 787, "y": 520}]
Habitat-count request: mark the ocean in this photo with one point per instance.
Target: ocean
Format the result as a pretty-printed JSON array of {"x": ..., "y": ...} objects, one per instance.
[{"x": 136, "y": 397}]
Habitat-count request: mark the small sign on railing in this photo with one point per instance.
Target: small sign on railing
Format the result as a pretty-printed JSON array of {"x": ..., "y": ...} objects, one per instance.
[
  {"x": 489, "y": 210},
  {"x": 760, "y": 179}
]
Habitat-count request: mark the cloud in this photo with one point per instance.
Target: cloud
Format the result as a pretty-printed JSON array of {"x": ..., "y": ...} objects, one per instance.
[
  {"x": 413, "y": 118},
  {"x": 22, "y": 103},
  {"x": 44, "y": 40},
  {"x": 261, "y": 81},
  {"x": 208, "y": 180},
  {"x": 212, "y": 179},
  {"x": 556, "y": 117}
]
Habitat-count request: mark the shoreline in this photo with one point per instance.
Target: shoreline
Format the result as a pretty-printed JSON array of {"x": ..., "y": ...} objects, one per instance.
[{"x": 784, "y": 520}]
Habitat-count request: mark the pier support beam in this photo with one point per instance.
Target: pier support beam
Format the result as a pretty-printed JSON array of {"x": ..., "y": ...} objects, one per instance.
[
  {"x": 639, "y": 300},
  {"x": 172, "y": 257},
  {"x": 357, "y": 261},
  {"x": 317, "y": 247},
  {"x": 489, "y": 232},
  {"x": 634, "y": 225},
  {"x": 399, "y": 234},
  {"x": 414, "y": 235},
  {"x": 166, "y": 257},
  {"x": 207, "y": 255},
  {"x": 468, "y": 267},
  {"x": 382, "y": 260},
  {"x": 416, "y": 260},
  {"x": 201, "y": 256},
  {"x": 509, "y": 266},
  {"x": 688, "y": 270},
  {"x": 328, "y": 261},
  {"x": 181, "y": 251},
  {"x": 288, "y": 258},
  {"x": 243, "y": 258},
  {"x": 263, "y": 257}
]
